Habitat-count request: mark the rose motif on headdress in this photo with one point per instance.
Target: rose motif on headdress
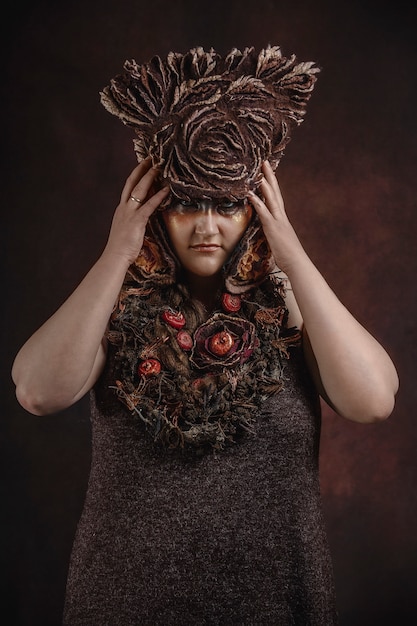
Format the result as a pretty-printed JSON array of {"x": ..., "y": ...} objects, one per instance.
[
  {"x": 213, "y": 140},
  {"x": 223, "y": 341},
  {"x": 209, "y": 121}
]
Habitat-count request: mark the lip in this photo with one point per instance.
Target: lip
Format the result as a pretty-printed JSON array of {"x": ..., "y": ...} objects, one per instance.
[{"x": 205, "y": 247}]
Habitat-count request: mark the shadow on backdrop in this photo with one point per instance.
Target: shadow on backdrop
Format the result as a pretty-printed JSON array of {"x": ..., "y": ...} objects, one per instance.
[{"x": 349, "y": 183}]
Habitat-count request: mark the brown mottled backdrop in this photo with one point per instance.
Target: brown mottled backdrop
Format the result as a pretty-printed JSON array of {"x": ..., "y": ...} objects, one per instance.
[{"x": 349, "y": 183}]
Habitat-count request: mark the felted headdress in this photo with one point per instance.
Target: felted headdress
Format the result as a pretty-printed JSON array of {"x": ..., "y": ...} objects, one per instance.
[{"x": 209, "y": 121}]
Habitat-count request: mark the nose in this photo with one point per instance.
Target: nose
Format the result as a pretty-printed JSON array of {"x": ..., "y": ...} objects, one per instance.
[{"x": 206, "y": 220}]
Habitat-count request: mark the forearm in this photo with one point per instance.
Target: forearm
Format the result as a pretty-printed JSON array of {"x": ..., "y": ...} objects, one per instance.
[
  {"x": 54, "y": 367},
  {"x": 353, "y": 371},
  {"x": 64, "y": 358}
]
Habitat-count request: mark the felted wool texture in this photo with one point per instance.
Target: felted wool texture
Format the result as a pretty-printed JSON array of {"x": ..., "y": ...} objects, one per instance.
[
  {"x": 198, "y": 397},
  {"x": 208, "y": 121},
  {"x": 235, "y": 537}
]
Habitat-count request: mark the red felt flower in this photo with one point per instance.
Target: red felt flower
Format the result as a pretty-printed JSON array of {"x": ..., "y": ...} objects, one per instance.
[{"x": 223, "y": 341}]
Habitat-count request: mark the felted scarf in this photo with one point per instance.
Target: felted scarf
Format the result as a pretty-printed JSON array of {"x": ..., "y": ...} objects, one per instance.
[{"x": 192, "y": 378}]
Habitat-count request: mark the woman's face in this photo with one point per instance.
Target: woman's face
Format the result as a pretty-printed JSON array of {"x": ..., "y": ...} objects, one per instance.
[{"x": 204, "y": 233}]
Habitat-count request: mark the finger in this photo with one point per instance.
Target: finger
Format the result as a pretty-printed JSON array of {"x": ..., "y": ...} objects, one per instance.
[
  {"x": 270, "y": 175},
  {"x": 270, "y": 198},
  {"x": 269, "y": 194},
  {"x": 146, "y": 209},
  {"x": 137, "y": 200},
  {"x": 134, "y": 177},
  {"x": 259, "y": 206},
  {"x": 271, "y": 191},
  {"x": 145, "y": 188},
  {"x": 271, "y": 179}
]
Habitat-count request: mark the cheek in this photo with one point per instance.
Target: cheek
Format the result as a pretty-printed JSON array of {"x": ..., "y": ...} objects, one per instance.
[
  {"x": 177, "y": 225},
  {"x": 247, "y": 216},
  {"x": 241, "y": 221},
  {"x": 178, "y": 220}
]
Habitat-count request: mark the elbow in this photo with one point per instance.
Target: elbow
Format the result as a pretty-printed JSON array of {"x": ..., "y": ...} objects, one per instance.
[
  {"x": 32, "y": 403},
  {"x": 27, "y": 395},
  {"x": 35, "y": 395},
  {"x": 382, "y": 403},
  {"x": 383, "y": 409},
  {"x": 369, "y": 403},
  {"x": 378, "y": 414},
  {"x": 374, "y": 410}
]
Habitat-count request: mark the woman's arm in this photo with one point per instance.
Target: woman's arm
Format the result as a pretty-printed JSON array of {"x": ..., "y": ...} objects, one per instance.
[
  {"x": 352, "y": 371},
  {"x": 64, "y": 358}
]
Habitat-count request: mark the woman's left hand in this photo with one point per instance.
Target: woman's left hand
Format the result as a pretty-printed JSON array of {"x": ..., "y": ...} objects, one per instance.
[
  {"x": 282, "y": 238},
  {"x": 351, "y": 369}
]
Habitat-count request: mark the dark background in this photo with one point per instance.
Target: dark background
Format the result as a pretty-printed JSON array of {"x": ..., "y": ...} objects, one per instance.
[{"x": 348, "y": 179}]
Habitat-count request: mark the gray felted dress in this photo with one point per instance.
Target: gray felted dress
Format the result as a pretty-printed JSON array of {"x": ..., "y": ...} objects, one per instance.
[{"x": 229, "y": 537}]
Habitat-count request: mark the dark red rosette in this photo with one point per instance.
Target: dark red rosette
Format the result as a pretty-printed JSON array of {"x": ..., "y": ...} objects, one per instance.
[
  {"x": 223, "y": 341},
  {"x": 149, "y": 367}
]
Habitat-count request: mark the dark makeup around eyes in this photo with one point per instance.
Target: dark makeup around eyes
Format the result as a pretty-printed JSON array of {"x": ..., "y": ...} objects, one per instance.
[{"x": 222, "y": 207}]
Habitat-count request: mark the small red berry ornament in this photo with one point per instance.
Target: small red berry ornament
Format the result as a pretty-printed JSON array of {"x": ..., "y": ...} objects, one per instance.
[
  {"x": 221, "y": 343},
  {"x": 175, "y": 319},
  {"x": 149, "y": 367},
  {"x": 184, "y": 339},
  {"x": 231, "y": 302}
]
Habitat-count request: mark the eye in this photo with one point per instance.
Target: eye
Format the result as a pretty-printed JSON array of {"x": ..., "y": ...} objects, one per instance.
[
  {"x": 182, "y": 206},
  {"x": 229, "y": 207},
  {"x": 188, "y": 206}
]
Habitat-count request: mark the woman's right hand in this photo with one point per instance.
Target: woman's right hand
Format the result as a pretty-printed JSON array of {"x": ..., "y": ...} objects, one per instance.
[
  {"x": 130, "y": 218},
  {"x": 64, "y": 358}
]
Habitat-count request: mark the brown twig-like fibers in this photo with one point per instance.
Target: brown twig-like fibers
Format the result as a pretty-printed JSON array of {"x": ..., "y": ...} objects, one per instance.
[{"x": 187, "y": 405}]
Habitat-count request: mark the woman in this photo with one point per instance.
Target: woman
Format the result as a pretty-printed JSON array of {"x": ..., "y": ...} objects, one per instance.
[{"x": 203, "y": 504}]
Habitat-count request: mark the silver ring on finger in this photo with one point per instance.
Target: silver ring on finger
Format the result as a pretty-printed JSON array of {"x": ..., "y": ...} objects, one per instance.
[{"x": 136, "y": 200}]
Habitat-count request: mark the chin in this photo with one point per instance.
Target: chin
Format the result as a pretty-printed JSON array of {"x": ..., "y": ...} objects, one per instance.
[
  {"x": 207, "y": 274},
  {"x": 204, "y": 272}
]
